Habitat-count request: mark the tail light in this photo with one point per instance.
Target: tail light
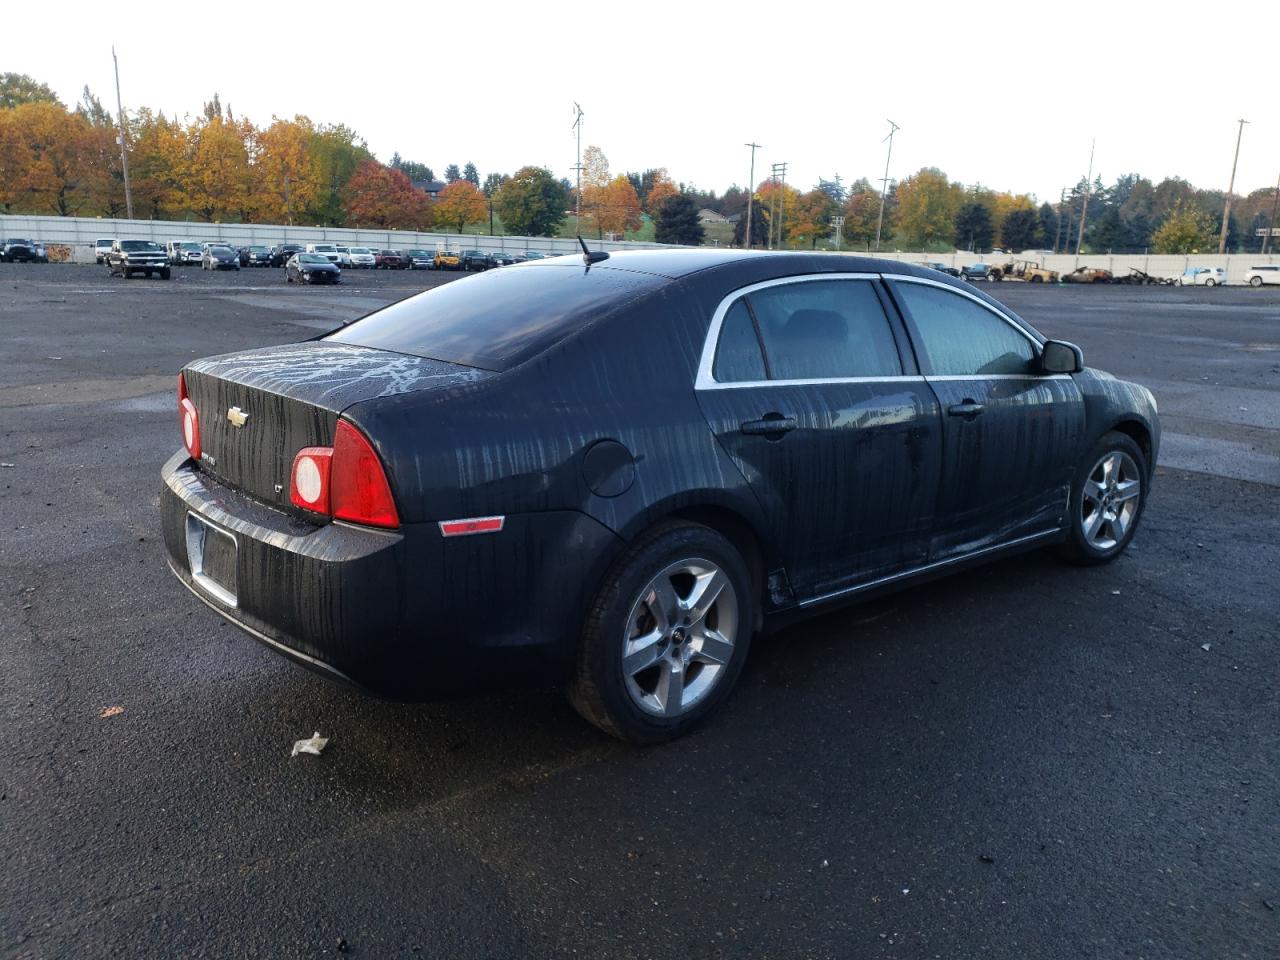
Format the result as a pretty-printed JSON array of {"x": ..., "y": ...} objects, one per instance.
[
  {"x": 189, "y": 419},
  {"x": 345, "y": 481}
]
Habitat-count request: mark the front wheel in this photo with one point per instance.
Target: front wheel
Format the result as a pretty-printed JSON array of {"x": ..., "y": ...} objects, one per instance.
[
  {"x": 1211, "y": 282},
  {"x": 667, "y": 635},
  {"x": 1107, "y": 500},
  {"x": 1255, "y": 281}
]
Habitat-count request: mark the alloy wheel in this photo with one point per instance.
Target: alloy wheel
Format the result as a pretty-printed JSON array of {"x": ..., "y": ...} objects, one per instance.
[
  {"x": 679, "y": 637},
  {"x": 1109, "y": 504}
]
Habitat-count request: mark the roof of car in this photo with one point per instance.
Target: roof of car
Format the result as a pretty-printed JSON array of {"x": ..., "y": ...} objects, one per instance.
[{"x": 683, "y": 262}]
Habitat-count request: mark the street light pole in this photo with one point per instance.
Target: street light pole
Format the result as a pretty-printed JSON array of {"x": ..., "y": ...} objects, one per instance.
[
  {"x": 751, "y": 189},
  {"x": 124, "y": 152},
  {"x": 1226, "y": 211},
  {"x": 1088, "y": 186},
  {"x": 884, "y": 183}
]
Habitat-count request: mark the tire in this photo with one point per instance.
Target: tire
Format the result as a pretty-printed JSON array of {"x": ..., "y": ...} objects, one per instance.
[
  {"x": 1037, "y": 279},
  {"x": 1211, "y": 282},
  {"x": 1255, "y": 281},
  {"x": 634, "y": 702},
  {"x": 1180, "y": 283},
  {"x": 991, "y": 277},
  {"x": 165, "y": 274},
  {"x": 1103, "y": 482}
]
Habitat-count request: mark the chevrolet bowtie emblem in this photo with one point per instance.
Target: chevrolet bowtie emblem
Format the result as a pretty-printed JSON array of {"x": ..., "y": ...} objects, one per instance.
[{"x": 237, "y": 416}]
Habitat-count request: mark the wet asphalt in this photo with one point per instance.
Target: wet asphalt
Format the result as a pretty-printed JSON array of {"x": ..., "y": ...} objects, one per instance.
[{"x": 1027, "y": 760}]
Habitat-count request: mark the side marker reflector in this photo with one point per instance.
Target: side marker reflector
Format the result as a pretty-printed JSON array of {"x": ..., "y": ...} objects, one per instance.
[{"x": 464, "y": 528}]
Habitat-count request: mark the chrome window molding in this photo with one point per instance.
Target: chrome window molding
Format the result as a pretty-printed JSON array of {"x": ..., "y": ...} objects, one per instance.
[{"x": 706, "y": 381}]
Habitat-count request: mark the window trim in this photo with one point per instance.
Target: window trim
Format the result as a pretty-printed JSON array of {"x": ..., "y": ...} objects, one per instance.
[{"x": 705, "y": 379}]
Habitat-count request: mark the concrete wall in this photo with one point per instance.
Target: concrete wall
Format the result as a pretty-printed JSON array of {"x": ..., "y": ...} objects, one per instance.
[{"x": 79, "y": 234}]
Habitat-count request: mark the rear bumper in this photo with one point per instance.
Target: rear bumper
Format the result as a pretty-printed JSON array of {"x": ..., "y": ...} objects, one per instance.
[{"x": 404, "y": 614}]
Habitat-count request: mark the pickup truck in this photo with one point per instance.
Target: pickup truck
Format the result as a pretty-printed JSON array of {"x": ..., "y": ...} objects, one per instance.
[
  {"x": 127, "y": 257},
  {"x": 475, "y": 260},
  {"x": 15, "y": 249}
]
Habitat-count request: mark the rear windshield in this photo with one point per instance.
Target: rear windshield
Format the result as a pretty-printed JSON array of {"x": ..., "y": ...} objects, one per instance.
[{"x": 499, "y": 318}]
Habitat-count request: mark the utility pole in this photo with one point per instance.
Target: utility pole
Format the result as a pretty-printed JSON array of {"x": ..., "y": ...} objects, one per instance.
[
  {"x": 1226, "y": 212},
  {"x": 779, "y": 177},
  {"x": 884, "y": 182},
  {"x": 1057, "y": 233},
  {"x": 124, "y": 152},
  {"x": 751, "y": 189},
  {"x": 577, "y": 200},
  {"x": 1088, "y": 186},
  {"x": 838, "y": 222},
  {"x": 1271, "y": 224}
]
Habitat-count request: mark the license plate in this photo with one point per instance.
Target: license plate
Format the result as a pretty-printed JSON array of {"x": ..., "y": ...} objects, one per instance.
[{"x": 212, "y": 555}]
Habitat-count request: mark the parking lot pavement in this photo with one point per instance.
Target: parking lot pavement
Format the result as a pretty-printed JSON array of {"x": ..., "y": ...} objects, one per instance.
[{"x": 1026, "y": 760}]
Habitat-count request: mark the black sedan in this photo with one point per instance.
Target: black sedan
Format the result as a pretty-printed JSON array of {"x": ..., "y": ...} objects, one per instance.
[
  {"x": 219, "y": 257},
  {"x": 255, "y": 256},
  {"x": 613, "y": 475},
  {"x": 312, "y": 268}
]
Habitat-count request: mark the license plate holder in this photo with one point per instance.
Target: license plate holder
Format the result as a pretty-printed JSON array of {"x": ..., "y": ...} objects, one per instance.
[{"x": 212, "y": 553}]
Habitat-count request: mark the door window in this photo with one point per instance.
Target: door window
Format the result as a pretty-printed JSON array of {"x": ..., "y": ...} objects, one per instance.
[
  {"x": 738, "y": 356},
  {"x": 825, "y": 329},
  {"x": 960, "y": 337}
]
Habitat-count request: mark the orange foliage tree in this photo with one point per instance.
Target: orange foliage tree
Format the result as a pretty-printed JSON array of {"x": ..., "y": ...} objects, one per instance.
[
  {"x": 461, "y": 203},
  {"x": 377, "y": 196},
  {"x": 615, "y": 207},
  {"x": 659, "y": 191}
]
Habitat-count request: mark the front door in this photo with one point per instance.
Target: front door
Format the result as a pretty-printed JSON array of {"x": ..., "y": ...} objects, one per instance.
[
  {"x": 1009, "y": 432},
  {"x": 812, "y": 391}
]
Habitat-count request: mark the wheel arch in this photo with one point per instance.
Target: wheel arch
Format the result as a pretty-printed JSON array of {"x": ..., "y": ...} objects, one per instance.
[{"x": 1139, "y": 433}]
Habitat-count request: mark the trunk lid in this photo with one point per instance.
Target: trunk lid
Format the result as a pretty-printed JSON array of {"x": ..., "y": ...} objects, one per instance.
[{"x": 288, "y": 397}]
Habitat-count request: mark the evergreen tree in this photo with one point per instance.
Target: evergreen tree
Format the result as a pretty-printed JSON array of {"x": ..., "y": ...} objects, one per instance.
[
  {"x": 974, "y": 230},
  {"x": 470, "y": 174},
  {"x": 1020, "y": 230},
  {"x": 677, "y": 221},
  {"x": 452, "y": 174}
]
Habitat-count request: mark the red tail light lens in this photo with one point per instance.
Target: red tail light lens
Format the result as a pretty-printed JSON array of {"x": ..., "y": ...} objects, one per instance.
[
  {"x": 360, "y": 491},
  {"x": 189, "y": 419},
  {"x": 345, "y": 481},
  {"x": 309, "y": 479}
]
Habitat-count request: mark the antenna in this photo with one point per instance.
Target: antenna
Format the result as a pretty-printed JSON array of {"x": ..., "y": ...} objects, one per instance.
[{"x": 591, "y": 256}]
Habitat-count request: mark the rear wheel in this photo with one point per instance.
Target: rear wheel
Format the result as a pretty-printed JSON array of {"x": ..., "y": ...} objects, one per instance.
[
  {"x": 1107, "y": 500},
  {"x": 1255, "y": 281},
  {"x": 666, "y": 637},
  {"x": 1211, "y": 282}
]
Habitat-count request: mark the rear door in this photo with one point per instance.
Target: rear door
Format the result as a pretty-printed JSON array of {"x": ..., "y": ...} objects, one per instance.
[
  {"x": 809, "y": 385},
  {"x": 1010, "y": 433}
]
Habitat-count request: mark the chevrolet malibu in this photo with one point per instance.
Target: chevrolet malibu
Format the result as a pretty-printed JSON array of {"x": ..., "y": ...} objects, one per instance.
[{"x": 612, "y": 475}]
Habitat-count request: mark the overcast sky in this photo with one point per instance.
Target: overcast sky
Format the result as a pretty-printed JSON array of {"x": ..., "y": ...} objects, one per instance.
[{"x": 999, "y": 93}]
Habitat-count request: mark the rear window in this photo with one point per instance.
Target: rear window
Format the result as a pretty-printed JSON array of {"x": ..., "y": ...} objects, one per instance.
[{"x": 500, "y": 318}]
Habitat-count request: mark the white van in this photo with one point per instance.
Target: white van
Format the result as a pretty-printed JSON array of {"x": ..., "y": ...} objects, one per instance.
[{"x": 328, "y": 250}]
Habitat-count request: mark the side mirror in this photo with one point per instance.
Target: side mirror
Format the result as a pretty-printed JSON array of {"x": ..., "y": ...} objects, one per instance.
[{"x": 1058, "y": 356}]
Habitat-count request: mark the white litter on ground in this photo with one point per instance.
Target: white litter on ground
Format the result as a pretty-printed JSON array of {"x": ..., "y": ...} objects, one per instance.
[{"x": 313, "y": 745}]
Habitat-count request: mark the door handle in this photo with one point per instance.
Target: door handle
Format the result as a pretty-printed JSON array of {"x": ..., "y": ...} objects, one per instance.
[
  {"x": 771, "y": 425},
  {"x": 967, "y": 409}
]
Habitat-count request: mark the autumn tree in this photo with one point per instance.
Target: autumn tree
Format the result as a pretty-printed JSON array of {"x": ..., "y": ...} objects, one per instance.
[
  {"x": 1186, "y": 229},
  {"x": 780, "y": 201},
  {"x": 288, "y": 178},
  {"x": 216, "y": 175},
  {"x": 926, "y": 208},
  {"x": 18, "y": 88},
  {"x": 336, "y": 151},
  {"x": 615, "y": 208},
  {"x": 459, "y": 204},
  {"x": 659, "y": 189},
  {"x": 1020, "y": 230},
  {"x": 531, "y": 203},
  {"x": 676, "y": 220},
  {"x": 51, "y": 152},
  {"x": 813, "y": 213},
  {"x": 377, "y": 196}
]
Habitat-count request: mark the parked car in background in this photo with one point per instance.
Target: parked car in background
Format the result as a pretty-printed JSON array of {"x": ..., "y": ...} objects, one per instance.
[
  {"x": 19, "y": 250},
  {"x": 942, "y": 268},
  {"x": 363, "y": 258},
  {"x": 281, "y": 253},
  {"x": 1257, "y": 276},
  {"x": 325, "y": 250},
  {"x": 979, "y": 271},
  {"x": 1087, "y": 275},
  {"x": 419, "y": 259},
  {"x": 388, "y": 259},
  {"x": 344, "y": 255},
  {"x": 447, "y": 260},
  {"x": 531, "y": 255},
  {"x": 503, "y": 258},
  {"x": 527, "y": 455},
  {"x": 312, "y": 268},
  {"x": 181, "y": 252},
  {"x": 256, "y": 256},
  {"x": 219, "y": 256},
  {"x": 1202, "y": 277},
  {"x": 127, "y": 257},
  {"x": 475, "y": 260},
  {"x": 101, "y": 247}
]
